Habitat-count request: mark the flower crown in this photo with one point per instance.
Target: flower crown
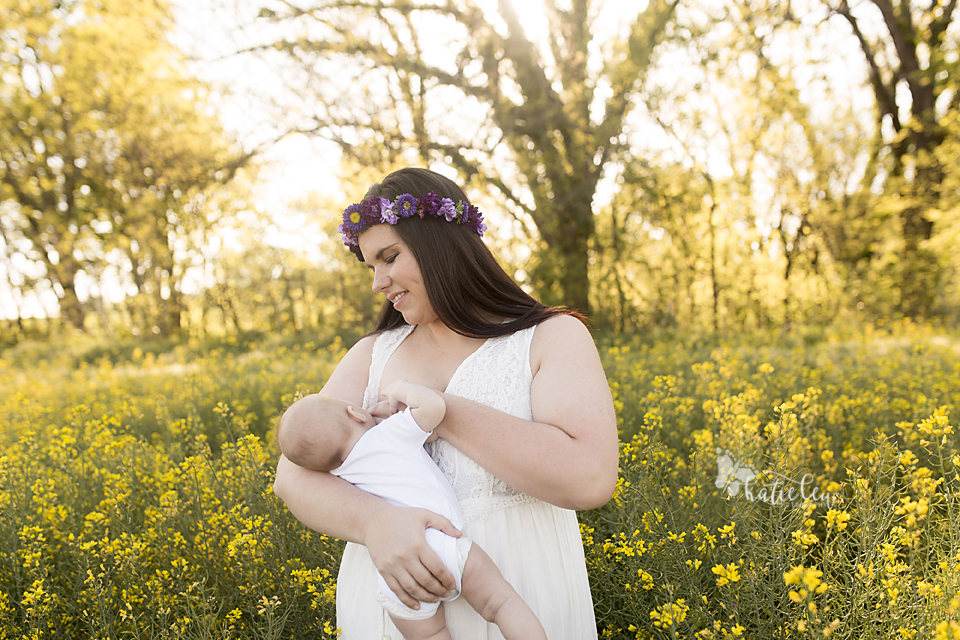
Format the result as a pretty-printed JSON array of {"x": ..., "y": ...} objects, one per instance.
[{"x": 359, "y": 217}]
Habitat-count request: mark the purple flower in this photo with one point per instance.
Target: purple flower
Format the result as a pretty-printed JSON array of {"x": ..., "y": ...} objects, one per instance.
[
  {"x": 430, "y": 205},
  {"x": 447, "y": 209},
  {"x": 387, "y": 213},
  {"x": 406, "y": 205},
  {"x": 473, "y": 219},
  {"x": 352, "y": 219},
  {"x": 370, "y": 209},
  {"x": 349, "y": 237}
]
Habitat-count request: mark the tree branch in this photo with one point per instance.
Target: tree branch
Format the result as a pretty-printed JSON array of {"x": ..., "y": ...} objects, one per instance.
[
  {"x": 644, "y": 36},
  {"x": 903, "y": 41},
  {"x": 884, "y": 95},
  {"x": 939, "y": 26}
]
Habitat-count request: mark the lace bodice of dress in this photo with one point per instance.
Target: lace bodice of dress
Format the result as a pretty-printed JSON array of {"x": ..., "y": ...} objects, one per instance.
[{"x": 497, "y": 375}]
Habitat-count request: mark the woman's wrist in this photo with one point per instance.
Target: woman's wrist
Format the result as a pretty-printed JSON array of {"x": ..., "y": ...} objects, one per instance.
[
  {"x": 376, "y": 521},
  {"x": 440, "y": 428}
]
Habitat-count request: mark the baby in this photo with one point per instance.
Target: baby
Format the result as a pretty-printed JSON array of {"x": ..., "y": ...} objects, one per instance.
[{"x": 387, "y": 459}]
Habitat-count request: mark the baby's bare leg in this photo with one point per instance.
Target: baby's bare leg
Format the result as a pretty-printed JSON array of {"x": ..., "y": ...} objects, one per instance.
[
  {"x": 490, "y": 595},
  {"x": 434, "y": 628}
]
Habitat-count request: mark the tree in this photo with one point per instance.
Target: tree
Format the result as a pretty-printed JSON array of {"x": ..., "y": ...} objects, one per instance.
[
  {"x": 746, "y": 182},
  {"x": 948, "y": 235},
  {"x": 106, "y": 146},
  {"x": 259, "y": 287},
  {"x": 545, "y": 118},
  {"x": 662, "y": 243},
  {"x": 809, "y": 163},
  {"x": 912, "y": 67}
]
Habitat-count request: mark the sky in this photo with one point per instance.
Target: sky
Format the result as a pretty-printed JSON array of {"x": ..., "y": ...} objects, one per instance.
[{"x": 212, "y": 31}]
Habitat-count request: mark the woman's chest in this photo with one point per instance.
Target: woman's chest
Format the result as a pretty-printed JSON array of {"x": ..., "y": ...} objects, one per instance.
[{"x": 426, "y": 364}]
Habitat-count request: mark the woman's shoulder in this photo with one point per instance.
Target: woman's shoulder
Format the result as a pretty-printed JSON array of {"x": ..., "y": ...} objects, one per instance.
[
  {"x": 363, "y": 347},
  {"x": 557, "y": 335},
  {"x": 369, "y": 343},
  {"x": 349, "y": 379},
  {"x": 563, "y": 325}
]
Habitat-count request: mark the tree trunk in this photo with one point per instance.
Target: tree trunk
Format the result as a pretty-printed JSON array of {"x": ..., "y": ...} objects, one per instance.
[
  {"x": 575, "y": 280},
  {"x": 921, "y": 268},
  {"x": 71, "y": 309},
  {"x": 914, "y": 35},
  {"x": 714, "y": 284}
]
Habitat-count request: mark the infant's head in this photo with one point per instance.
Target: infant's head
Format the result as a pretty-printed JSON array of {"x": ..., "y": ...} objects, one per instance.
[{"x": 318, "y": 431}]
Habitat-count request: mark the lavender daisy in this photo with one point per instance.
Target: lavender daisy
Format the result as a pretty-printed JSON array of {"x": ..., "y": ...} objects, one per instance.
[
  {"x": 447, "y": 209},
  {"x": 388, "y": 214},
  {"x": 352, "y": 218},
  {"x": 406, "y": 205}
]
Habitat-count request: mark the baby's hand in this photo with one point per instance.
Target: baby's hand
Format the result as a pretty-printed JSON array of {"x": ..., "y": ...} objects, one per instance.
[
  {"x": 428, "y": 405},
  {"x": 397, "y": 390},
  {"x": 384, "y": 409}
]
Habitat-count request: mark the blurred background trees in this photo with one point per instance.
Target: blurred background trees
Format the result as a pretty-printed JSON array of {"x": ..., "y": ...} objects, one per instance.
[
  {"x": 455, "y": 84},
  {"x": 109, "y": 157},
  {"x": 735, "y": 165},
  {"x": 912, "y": 68}
]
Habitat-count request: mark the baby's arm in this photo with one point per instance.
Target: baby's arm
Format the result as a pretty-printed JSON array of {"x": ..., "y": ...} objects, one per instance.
[{"x": 426, "y": 405}]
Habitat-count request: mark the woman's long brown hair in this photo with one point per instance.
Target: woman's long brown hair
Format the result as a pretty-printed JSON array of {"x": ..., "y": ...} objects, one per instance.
[{"x": 467, "y": 288}]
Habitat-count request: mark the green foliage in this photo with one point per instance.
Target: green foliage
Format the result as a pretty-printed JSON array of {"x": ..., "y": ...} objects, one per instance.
[
  {"x": 320, "y": 288},
  {"x": 750, "y": 186}
]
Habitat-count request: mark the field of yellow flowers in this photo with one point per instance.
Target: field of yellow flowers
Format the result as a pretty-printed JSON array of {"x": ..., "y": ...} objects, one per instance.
[{"x": 770, "y": 487}]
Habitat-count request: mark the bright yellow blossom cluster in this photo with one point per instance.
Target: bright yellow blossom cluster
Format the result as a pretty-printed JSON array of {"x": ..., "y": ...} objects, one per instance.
[
  {"x": 726, "y": 574},
  {"x": 670, "y": 614},
  {"x": 837, "y": 520},
  {"x": 809, "y": 578},
  {"x": 145, "y": 510}
]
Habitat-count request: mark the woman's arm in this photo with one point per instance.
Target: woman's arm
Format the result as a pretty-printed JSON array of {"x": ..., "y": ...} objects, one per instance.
[
  {"x": 394, "y": 536},
  {"x": 568, "y": 454}
]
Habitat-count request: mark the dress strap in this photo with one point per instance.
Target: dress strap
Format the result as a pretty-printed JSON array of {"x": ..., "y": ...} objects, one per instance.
[
  {"x": 526, "y": 339},
  {"x": 383, "y": 347}
]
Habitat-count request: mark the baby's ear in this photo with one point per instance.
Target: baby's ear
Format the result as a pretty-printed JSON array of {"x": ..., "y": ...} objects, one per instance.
[{"x": 356, "y": 415}]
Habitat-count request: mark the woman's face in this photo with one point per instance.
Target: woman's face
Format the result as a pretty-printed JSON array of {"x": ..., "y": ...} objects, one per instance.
[{"x": 396, "y": 273}]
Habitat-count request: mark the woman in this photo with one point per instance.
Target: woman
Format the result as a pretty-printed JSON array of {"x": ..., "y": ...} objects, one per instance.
[{"x": 529, "y": 433}]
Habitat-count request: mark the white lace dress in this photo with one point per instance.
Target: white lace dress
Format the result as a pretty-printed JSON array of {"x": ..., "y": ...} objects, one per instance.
[{"x": 536, "y": 545}]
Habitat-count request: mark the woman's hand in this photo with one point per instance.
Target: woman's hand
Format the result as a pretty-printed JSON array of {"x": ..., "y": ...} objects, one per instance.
[{"x": 399, "y": 550}]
